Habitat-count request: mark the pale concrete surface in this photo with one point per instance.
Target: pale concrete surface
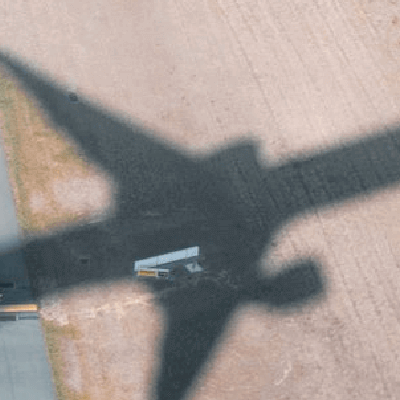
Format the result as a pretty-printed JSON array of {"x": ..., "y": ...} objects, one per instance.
[
  {"x": 9, "y": 230},
  {"x": 24, "y": 368},
  {"x": 301, "y": 77}
]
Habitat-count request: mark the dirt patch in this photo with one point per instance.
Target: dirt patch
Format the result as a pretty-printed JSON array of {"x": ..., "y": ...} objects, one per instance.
[
  {"x": 50, "y": 180},
  {"x": 118, "y": 327},
  {"x": 37, "y": 202},
  {"x": 71, "y": 365},
  {"x": 82, "y": 195}
]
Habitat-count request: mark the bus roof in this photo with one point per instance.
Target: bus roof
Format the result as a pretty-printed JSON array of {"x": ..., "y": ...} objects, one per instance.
[{"x": 189, "y": 252}]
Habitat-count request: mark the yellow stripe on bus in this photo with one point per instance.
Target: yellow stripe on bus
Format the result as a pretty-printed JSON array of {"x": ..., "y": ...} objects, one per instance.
[
  {"x": 146, "y": 273},
  {"x": 19, "y": 308}
]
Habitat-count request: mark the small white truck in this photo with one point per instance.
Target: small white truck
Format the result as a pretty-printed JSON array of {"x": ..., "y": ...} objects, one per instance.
[{"x": 170, "y": 266}]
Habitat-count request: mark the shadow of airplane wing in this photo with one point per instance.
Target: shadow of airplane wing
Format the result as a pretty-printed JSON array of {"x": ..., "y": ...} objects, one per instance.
[
  {"x": 110, "y": 142},
  {"x": 359, "y": 168},
  {"x": 87, "y": 121},
  {"x": 300, "y": 185}
]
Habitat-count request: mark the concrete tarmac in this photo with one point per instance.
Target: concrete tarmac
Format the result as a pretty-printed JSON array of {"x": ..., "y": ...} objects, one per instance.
[{"x": 25, "y": 372}]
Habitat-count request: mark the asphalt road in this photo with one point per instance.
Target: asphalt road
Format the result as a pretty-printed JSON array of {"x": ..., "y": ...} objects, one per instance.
[{"x": 24, "y": 369}]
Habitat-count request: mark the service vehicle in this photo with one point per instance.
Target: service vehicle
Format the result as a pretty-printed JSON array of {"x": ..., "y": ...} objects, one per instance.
[{"x": 170, "y": 266}]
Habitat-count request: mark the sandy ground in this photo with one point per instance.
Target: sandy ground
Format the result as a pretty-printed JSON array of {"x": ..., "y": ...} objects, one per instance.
[{"x": 300, "y": 78}]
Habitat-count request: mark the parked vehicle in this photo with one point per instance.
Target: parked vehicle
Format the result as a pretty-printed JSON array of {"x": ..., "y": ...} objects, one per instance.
[{"x": 170, "y": 266}]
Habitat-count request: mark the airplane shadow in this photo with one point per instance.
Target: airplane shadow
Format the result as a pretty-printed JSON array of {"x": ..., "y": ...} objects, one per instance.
[{"x": 228, "y": 203}]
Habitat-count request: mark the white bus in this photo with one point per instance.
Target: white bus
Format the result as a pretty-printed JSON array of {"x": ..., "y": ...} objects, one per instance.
[{"x": 166, "y": 266}]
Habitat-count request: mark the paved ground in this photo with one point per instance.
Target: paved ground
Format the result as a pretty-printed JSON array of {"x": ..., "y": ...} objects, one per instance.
[
  {"x": 24, "y": 369},
  {"x": 9, "y": 231},
  {"x": 302, "y": 77}
]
